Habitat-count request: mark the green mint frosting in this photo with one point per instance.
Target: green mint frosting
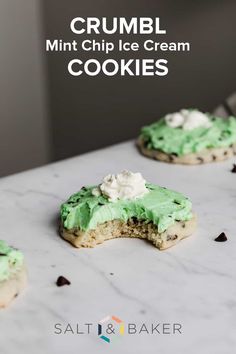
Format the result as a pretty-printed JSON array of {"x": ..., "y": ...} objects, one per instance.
[
  {"x": 161, "y": 206},
  {"x": 160, "y": 136},
  {"x": 11, "y": 260}
]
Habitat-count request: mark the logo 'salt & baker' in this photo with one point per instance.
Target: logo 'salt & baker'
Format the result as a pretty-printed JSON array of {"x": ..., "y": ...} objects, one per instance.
[{"x": 111, "y": 327}]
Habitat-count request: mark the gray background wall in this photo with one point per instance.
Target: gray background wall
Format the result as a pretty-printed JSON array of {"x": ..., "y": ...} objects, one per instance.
[
  {"x": 46, "y": 114},
  {"x": 24, "y": 134},
  {"x": 88, "y": 113}
]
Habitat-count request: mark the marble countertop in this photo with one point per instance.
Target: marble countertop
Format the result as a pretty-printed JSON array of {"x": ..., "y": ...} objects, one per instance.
[{"x": 192, "y": 284}]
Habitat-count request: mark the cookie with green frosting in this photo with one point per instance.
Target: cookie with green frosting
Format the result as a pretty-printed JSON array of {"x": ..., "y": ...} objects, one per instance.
[
  {"x": 160, "y": 215},
  {"x": 191, "y": 138},
  {"x": 12, "y": 273}
]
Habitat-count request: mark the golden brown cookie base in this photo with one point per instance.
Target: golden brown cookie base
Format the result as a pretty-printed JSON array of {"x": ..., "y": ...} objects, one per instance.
[
  {"x": 131, "y": 228},
  {"x": 204, "y": 156}
]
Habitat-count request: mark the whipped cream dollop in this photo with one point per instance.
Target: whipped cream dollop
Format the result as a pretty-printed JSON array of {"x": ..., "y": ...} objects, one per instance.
[
  {"x": 188, "y": 119},
  {"x": 124, "y": 185}
]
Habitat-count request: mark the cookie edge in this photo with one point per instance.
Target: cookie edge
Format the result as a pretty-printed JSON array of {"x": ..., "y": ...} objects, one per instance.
[{"x": 204, "y": 156}]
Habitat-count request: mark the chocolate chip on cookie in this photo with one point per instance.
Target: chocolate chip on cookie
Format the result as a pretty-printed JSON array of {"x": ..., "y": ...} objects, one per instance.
[
  {"x": 200, "y": 159},
  {"x": 61, "y": 281},
  {"x": 221, "y": 238}
]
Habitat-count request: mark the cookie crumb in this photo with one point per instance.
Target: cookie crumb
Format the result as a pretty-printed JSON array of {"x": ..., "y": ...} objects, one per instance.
[
  {"x": 221, "y": 238},
  {"x": 61, "y": 281},
  {"x": 234, "y": 168}
]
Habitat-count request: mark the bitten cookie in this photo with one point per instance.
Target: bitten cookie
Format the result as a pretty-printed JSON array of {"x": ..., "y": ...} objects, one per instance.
[
  {"x": 124, "y": 205},
  {"x": 189, "y": 137},
  {"x": 13, "y": 277}
]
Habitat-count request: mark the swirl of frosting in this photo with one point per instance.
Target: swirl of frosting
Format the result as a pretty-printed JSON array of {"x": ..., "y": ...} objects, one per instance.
[
  {"x": 188, "y": 119},
  {"x": 125, "y": 185}
]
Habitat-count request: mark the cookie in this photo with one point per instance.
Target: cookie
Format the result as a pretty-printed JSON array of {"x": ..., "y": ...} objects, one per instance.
[
  {"x": 125, "y": 205},
  {"x": 189, "y": 137},
  {"x": 13, "y": 275},
  {"x": 203, "y": 156}
]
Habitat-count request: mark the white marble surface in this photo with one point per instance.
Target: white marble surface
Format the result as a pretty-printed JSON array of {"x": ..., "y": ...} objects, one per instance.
[{"x": 193, "y": 283}]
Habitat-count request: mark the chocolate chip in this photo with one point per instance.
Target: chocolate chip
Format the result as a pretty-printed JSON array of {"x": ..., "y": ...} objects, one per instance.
[
  {"x": 213, "y": 157},
  {"x": 183, "y": 226},
  {"x": 171, "y": 237},
  {"x": 171, "y": 158},
  {"x": 176, "y": 202},
  {"x": 100, "y": 204},
  {"x": 231, "y": 145},
  {"x": 111, "y": 273},
  {"x": 2, "y": 254},
  {"x": 160, "y": 138},
  {"x": 234, "y": 168},
  {"x": 174, "y": 154},
  {"x": 225, "y": 153},
  {"x": 200, "y": 159},
  {"x": 61, "y": 281},
  {"x": 221, "y": 238}
]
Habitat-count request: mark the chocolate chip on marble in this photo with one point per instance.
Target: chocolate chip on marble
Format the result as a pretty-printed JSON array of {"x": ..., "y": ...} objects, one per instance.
[
  {"x": 61, "y": 281},
  {"x": 221, "y": 238},
  {"x": 234, "y": 168}
]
